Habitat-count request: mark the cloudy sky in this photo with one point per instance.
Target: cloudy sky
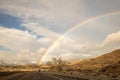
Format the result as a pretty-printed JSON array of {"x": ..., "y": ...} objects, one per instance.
[{"x": 72, "y": 29}]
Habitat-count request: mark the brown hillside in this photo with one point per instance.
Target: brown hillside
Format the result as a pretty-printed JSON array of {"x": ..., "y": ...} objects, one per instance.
[
  {"x": 101, "y": 61},
  {"x": 114, "y": 68}
]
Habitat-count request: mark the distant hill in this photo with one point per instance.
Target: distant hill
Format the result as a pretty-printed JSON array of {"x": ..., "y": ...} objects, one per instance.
[{"x": 31, "y": 67}]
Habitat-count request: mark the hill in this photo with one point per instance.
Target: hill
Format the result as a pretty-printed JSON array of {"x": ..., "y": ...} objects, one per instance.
[
  {"x": 31, "y": 67},
  {"x": 107, "y": 66},
  {"x": 101, "y": 61}
]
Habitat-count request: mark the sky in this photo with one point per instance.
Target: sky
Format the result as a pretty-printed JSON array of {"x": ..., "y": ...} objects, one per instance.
[{"x": 34, "y": 31}]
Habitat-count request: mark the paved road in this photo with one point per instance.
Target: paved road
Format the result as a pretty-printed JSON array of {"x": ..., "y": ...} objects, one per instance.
[{"x": 39, "y": 76}]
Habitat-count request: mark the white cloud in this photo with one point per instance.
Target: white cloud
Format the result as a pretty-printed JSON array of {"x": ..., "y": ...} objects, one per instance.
[
  {"x": 25, "y": 56},
  {"x": 22, "y": 57},
  {"x": 16, "y": 39},
  {"x": 60, "y": 15},
  {"x": 113, "y": 38},
  {"x": 112, "y": 41},
  {"x": 50, "y": 10},
  {"x": 48, "y": 19},
  {"x": 80, "y": 49},
  {"x": 67, "y": 47},
  {"x": 24, "y": 47},
  {"x": 6, "y": 58},
  {"x": 40, "y": 30}
]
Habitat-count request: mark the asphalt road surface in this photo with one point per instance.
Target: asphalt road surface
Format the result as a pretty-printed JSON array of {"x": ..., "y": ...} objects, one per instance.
[{"x": 38, "y": 76}]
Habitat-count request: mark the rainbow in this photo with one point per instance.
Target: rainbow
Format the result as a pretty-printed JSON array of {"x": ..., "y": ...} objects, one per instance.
[{"x": 73, "y": 28}]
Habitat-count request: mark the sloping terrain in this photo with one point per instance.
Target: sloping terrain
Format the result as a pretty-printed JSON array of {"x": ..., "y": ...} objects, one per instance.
[
  {"x": 105, "y": 66},
  {"x": 101, "y": 61}
]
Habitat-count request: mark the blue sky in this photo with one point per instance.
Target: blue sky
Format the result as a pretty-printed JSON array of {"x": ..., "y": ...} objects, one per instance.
[
  {"x": 28, "y": 29},
  {"x": 4, "y": 48},
  {"x": 10, "y": 21}
]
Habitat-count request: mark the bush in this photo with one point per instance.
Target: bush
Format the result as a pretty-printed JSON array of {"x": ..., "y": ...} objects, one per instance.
[
  {"x": 103, "y": 70},
  {"x": 114, "y": 76}
]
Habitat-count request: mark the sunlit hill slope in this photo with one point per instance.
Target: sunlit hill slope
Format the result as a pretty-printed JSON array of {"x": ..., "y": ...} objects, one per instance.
[{"x": 101, "y": 61}]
